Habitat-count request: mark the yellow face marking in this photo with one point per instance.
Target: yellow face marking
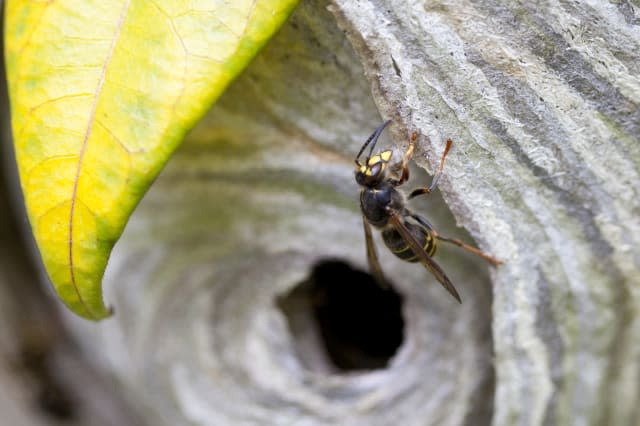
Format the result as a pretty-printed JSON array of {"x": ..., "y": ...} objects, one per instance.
[
  {"x": 382, "y": 157},
  {"x": 377, "y": 162},
  {"x": 374, "y": 160},
  {"x": 365, "y": 170}
]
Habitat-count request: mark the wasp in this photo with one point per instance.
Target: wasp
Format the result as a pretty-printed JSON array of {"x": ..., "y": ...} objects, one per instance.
[{"x": 407, "y": 234}]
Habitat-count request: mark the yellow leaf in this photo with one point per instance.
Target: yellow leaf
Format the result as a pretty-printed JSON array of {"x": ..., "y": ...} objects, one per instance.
[{"x": 102, "y": 92}]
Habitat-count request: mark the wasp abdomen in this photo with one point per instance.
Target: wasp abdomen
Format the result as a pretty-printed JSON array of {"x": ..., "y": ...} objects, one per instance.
[{"x": 400, "y": 247}]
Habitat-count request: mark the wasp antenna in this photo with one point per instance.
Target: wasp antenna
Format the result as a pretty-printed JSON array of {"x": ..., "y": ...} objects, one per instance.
[
  {"x": 373, "y": 138},
  {"x": 376, "y": 135}
]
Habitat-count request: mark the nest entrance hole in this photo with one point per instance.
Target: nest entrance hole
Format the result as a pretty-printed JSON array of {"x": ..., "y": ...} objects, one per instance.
[{"x": 341, "y": 320}]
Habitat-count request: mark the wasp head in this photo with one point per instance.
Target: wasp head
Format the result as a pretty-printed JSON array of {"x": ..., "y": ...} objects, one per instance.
[{"x": 374, "y": 170}]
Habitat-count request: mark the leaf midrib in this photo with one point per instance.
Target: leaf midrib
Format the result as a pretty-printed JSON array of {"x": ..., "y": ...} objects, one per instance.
[{"x": 90, "y": 122}]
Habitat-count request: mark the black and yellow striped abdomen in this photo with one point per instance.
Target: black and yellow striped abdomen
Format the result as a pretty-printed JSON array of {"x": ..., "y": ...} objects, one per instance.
[{"x": 401, "y": 248}]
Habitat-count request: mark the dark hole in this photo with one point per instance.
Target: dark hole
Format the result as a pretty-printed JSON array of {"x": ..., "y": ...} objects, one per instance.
[
  {"x": 343, "y": 312},
  {"x": 52, "y": 398},
  {"x": 54, "y": 402}
]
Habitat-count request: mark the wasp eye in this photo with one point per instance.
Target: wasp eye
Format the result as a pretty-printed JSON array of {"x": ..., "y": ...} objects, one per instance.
[{"x": 375, "y": 169}]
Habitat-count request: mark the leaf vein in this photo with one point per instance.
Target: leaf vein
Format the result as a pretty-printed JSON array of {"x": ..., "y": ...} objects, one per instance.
[
  {"x": 57, "y": 99},
  {"x": 91, "y": 120}
]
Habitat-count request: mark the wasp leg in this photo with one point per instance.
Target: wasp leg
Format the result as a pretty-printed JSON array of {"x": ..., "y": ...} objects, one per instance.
[
  {"x": 420, "y": 191},
  {"x": 422, "y": 221},
  {"x": 408, "y": 155},
  {"x": 436, "y": 177},
  {"x": 471, "y": 249}
]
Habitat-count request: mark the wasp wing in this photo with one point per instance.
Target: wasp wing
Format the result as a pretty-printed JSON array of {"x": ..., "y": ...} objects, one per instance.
[
  {"x": 398, "y": 223},
  {"x": 372, "y": 256}
]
